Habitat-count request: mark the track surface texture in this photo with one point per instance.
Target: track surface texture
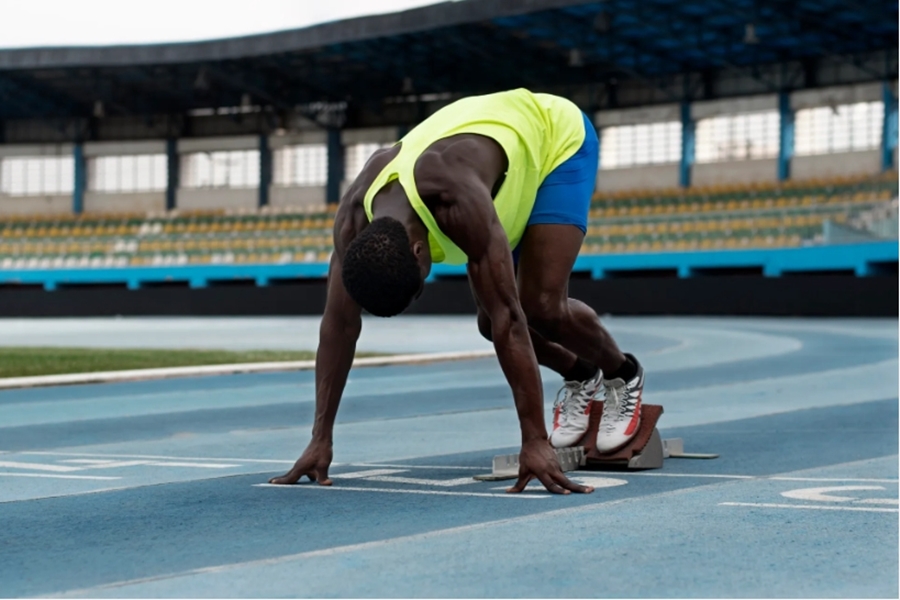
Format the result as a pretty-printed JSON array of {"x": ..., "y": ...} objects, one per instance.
[{"x": 157, "y": 488}]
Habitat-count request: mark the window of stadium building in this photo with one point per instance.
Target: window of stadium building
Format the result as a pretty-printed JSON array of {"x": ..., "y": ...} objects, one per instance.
[
  {"x": 644, "y": 144},
  {"x": 141, "y": 173},
  {"x": 226, "y": 169},
  {"x": 37, "y": 175},
  {"x": 303, "y": 165},
  {"x": 356, "y": 156},
  {"x": 738, "y": 137},
  {"x": 842, "y": 128}
]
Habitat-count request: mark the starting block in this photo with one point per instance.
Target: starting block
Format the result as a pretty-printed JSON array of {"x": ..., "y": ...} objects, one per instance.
[{"x": 646, "y": 450}]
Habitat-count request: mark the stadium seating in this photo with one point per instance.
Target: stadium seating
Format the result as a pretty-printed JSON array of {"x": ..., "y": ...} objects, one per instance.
[
  {"x": 715, "y": 217},
  {"x": 267, "y": 236},
  {"x": 735, "y": 216}
]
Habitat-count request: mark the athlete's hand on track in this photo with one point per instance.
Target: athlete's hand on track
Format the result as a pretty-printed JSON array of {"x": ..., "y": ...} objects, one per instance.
[
  {"x": 538, "y": 460},
  {"x": 313, "y": 463}
]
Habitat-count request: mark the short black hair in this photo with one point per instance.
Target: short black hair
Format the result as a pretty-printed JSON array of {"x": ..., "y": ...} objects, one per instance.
[{"x": 380, "y": 270}]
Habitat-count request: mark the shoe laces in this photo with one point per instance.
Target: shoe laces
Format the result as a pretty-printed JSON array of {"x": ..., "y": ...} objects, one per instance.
[
  {"x": 618, "y": 404},
  {"x": 573, "y": 396}
]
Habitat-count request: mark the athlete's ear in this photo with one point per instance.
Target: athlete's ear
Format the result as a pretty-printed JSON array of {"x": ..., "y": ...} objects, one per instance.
[{"x": 422, "y": 251}]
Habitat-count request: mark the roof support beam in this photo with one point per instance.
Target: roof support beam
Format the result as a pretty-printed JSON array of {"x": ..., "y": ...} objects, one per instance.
[
  {"x": 889, "y": 128},
  {"x": 172, "y": 172},
  {"x": 688, "y": 140},
  {"x": 80, "y": 178},
  {"x": 335, "y": 166},
  {"x": 265, "y": 170},
  {"x": 785, "y": 136}
]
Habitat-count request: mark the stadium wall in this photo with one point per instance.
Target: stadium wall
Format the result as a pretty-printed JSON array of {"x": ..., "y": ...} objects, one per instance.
[
  {"x": 650, "y": 177},
  {"x": 744, "y": 171},
  {"x": 111, "y": 203},
  {"x": 838, "y": 164},
  {"x": 828, "y": 294}
]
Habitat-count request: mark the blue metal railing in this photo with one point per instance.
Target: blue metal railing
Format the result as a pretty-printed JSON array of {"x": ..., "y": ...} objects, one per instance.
[{"x": 863, "y": 259}]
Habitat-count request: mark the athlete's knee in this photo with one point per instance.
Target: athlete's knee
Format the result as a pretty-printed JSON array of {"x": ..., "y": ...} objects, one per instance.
[
  {"x": 484, "y": 326},
  {"x": 546, "y": 314}
]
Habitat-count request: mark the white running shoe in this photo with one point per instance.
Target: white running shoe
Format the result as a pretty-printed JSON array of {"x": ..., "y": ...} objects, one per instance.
[
  {"x": 572, "y": 410},
  {"x": 621, "y": 417}
]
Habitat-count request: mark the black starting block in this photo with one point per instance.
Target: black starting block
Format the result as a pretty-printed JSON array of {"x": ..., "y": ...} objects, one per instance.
[{"x": 646, "y": 450}]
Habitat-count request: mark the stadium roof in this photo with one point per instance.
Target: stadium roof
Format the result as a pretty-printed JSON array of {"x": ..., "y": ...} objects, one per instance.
[{"x": 458, "y": 48}]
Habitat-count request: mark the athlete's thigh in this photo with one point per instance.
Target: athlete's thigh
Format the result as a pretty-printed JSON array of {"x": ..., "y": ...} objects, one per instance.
[
  {"x": 547, "y": 254},
  {"x": 557, "y": 224}
]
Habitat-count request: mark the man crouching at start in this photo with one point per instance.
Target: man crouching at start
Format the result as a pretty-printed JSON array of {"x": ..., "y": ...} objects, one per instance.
[{"x": 502, "y": 183}]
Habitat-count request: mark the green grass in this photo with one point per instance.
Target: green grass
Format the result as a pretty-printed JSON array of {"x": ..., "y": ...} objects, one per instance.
[{"x": 25, "y": 362}]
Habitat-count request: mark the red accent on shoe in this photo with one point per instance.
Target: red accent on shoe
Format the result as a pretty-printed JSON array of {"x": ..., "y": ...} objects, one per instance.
[
  {"x": 587, "y": 409},
  {"x": 556, "y": 418},
  {"x": 635, "y": 417}
]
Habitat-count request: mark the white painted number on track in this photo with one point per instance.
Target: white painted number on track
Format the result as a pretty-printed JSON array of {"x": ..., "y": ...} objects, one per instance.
[
  {"x": 839, "y": 498},
  {"x": 826, "y": 494}
]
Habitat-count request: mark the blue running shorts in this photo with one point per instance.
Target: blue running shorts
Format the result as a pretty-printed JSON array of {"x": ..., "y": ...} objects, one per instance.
[{"x": 564, "y": 197}]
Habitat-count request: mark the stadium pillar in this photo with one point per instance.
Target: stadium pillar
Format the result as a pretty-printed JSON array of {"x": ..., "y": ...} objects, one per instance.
[
  {"x": 79, "y": 177},
  {"x": 785, "y": 136},
  {"x": 172, "y": 167},
  {"x": 889, "y": 128},
  {"x": 599, "y": 133},
  {"x": 335, "y": 166},
  {"x": 687, "y": 145},
  {"x": 265, "y": 170}
]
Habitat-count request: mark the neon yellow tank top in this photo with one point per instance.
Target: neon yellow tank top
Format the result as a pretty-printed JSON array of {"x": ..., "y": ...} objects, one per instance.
[{"x": 538, "y": 132}]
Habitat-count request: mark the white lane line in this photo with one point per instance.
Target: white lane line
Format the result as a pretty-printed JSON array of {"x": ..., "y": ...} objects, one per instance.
[
  {"x": 48, "y": 476},
  {"x": 344, "y": 488},
  {"x": 399, "y": 466},
  {"x": 771, "y": 478},
  {"x": 809, "y": 506},
  {"x": 93, "y": 463},
  {"x": 698, "y": 475},
  {"x": 417, "y": 481},
  {"x": 115, "y": 464},
  {"x": 37, "y": 466},
  {"x": 159, "y": 457},
  {"x": 367, "y": 474},
  {"x": 191, "y": 465},
  {"x": 244, "y": 460},
  {"x": 838, "y": 479}
]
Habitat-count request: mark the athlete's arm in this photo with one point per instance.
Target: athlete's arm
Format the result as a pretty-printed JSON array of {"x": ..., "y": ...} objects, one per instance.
[
  {"x": 467, "y": 217},
  {"x": 338, "y": 334}
]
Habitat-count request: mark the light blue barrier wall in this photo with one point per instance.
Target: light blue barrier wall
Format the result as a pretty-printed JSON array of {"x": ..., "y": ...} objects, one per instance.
[{"x": 864, "y": 259}]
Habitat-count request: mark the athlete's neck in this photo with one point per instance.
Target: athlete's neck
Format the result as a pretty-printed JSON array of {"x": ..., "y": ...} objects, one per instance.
[{"x": 398, "y": 207}]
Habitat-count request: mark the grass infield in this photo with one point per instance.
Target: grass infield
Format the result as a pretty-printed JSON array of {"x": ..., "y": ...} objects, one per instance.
[{"x": 27, "y": 362}]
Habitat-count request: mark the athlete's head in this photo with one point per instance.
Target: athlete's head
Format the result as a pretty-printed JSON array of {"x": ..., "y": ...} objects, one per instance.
[{"x": 382, "y": 270}]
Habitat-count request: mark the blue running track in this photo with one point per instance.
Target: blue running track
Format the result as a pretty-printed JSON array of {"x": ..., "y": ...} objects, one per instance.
[{"x": 157, "y": 489}]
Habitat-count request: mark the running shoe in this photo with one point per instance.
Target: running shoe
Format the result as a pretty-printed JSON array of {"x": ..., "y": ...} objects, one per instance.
[
  {"x": 621, "y": 416},
  {"x": 572, "y": 410}
]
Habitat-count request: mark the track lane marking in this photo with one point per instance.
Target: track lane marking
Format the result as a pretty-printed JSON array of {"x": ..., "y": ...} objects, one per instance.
[
  {"x": 8, "y": 464},
  {"x": 345, "y": 488},
  {"x": 49, "y": 476},
  {"x": 809, "y": 506}
]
